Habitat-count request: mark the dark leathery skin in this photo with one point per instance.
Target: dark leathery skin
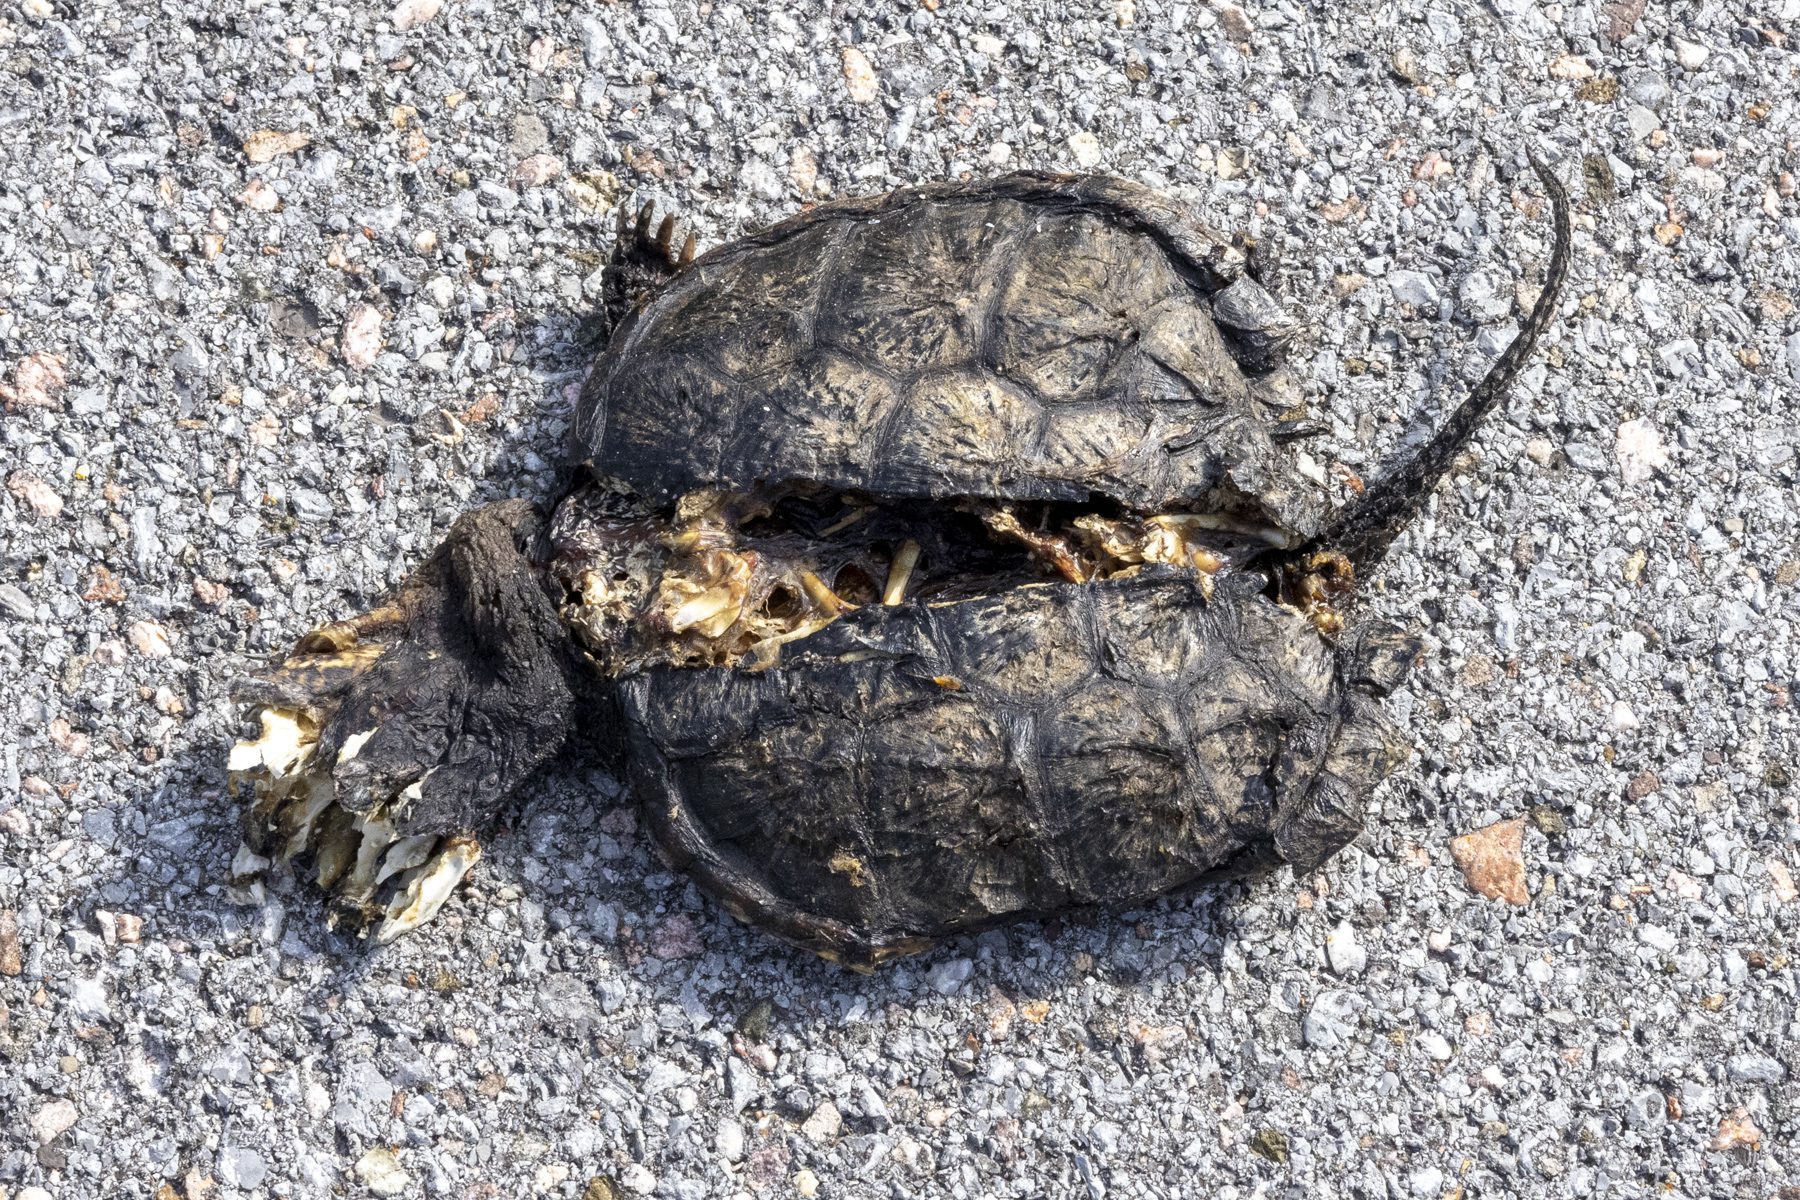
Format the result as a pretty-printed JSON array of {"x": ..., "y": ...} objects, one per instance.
[
  {"x": 914, "y": 772},
  {"x": 1034, "y": 338}
]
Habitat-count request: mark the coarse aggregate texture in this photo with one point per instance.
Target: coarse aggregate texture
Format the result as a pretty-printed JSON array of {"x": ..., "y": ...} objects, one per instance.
[{"x": 284, "y": 288}]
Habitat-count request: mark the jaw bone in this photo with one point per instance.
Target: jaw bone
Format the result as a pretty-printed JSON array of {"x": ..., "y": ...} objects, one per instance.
[{"x": 294, "y": 811}]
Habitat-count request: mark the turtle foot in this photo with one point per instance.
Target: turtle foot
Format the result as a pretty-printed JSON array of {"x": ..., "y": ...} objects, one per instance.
[{"x": 645, "y": 253}]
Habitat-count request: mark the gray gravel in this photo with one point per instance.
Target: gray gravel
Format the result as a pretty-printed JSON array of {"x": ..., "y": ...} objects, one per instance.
[{"x": 244, "y": 396}]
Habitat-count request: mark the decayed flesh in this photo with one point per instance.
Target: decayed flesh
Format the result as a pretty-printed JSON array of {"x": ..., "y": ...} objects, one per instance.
[
  {"x": 357, "y": 856},
  {"x": 727, "y": 579}
]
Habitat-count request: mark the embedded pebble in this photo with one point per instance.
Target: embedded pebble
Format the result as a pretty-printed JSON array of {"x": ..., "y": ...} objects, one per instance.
[
  {"x": 859, "y": 76},
  {"x": 266, "y": 145},
  {"x": 53, "y": 1120},
  {"x": 949, "y": 976},
  {"x": 411, "y": 13},
  {"x": 824, "y": 1123},
  {"x": 1343, "y": 952},
  {"x": 361, "y": 340},
  {"x": 1331, "y": 1020},
  {"x": 380, "y": 1171},
  {"x": 1413, "y": 287},
  {"x": 150, "y": 639},
  {"x": 241, "y": 1167},
  {"x": 1492, "y": 859},
  {"x": 1640, "y": 450},
  {"x": 37, "y": 495}
]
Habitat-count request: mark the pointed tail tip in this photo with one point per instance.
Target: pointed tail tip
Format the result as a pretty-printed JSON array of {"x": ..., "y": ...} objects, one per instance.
[{"x": 1363, "y": 530}]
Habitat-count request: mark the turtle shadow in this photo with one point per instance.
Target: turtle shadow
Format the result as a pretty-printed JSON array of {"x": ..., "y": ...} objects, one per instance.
[
  {"x": 572, "y": 942},
  {"x": 571, "y": 882}
]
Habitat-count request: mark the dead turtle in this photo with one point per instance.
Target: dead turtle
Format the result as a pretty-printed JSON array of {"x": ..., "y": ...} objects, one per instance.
[{"x": 933, "y": 561}]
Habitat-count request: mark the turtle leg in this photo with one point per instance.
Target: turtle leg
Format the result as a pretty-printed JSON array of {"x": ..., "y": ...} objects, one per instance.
[
  {"x": 1365, "y": 750},
  {"x": 391, "y": 739},
  {"x": 646, "y": 253}
]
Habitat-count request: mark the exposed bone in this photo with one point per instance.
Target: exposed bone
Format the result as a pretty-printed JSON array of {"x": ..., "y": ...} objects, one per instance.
[
  {"x": 298, "y": 819},
  {"x": 766, "y": 652},
  {"x": 710, "y": 601},
  {"x": 714, "y": 611},
  {"x": 1226, "y": 523},
  {"x": 359, "y": 884},
  {"x": 353, "y": 746},
  {"x": 405, "y": 854},
  {"x": 283, "y": 744},
  {"x": 411, "y": 794},
  {"x": 1053, "y": 548},
  {"x": 846, "y": 521},
  {"x": 905, "y": 559},
  {"x": 1168, "y": 538},
  {"x": 245, "y": 756},
  {"x": 699, "y": 588},
  {"x": 826, "y": 600},
  {"x": 424, "y": 889}
]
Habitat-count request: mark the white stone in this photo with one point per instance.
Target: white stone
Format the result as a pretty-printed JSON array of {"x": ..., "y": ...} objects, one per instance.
[
  {"x": 1085, "y": 148},
  {"x": 381, "y": 1173},
  {"x": 1413, "y": 287},
  {"x": 53, "y": 1120},
  {"x": 1640, "y": 451},
  {"x": 1691, "y": 55},
  {"x": 361, "y": 340},
  {"x": 409, "y": 14},
  {"x": 824, "y": 1124},
  {"x": 1344, "y": 952},
  {"x": 729, "y": 1141},
  {"x": 88, "y": 1002},
  {"x": 950, "y": 975}
]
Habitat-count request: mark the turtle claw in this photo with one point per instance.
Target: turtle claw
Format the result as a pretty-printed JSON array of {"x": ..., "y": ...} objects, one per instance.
[
  {"x": 646, "y": 252},
  {"x": 660, "y": 250}
]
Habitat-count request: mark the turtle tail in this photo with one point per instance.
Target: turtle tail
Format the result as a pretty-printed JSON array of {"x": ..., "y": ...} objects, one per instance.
[{"x": 1363, "y": 530}]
